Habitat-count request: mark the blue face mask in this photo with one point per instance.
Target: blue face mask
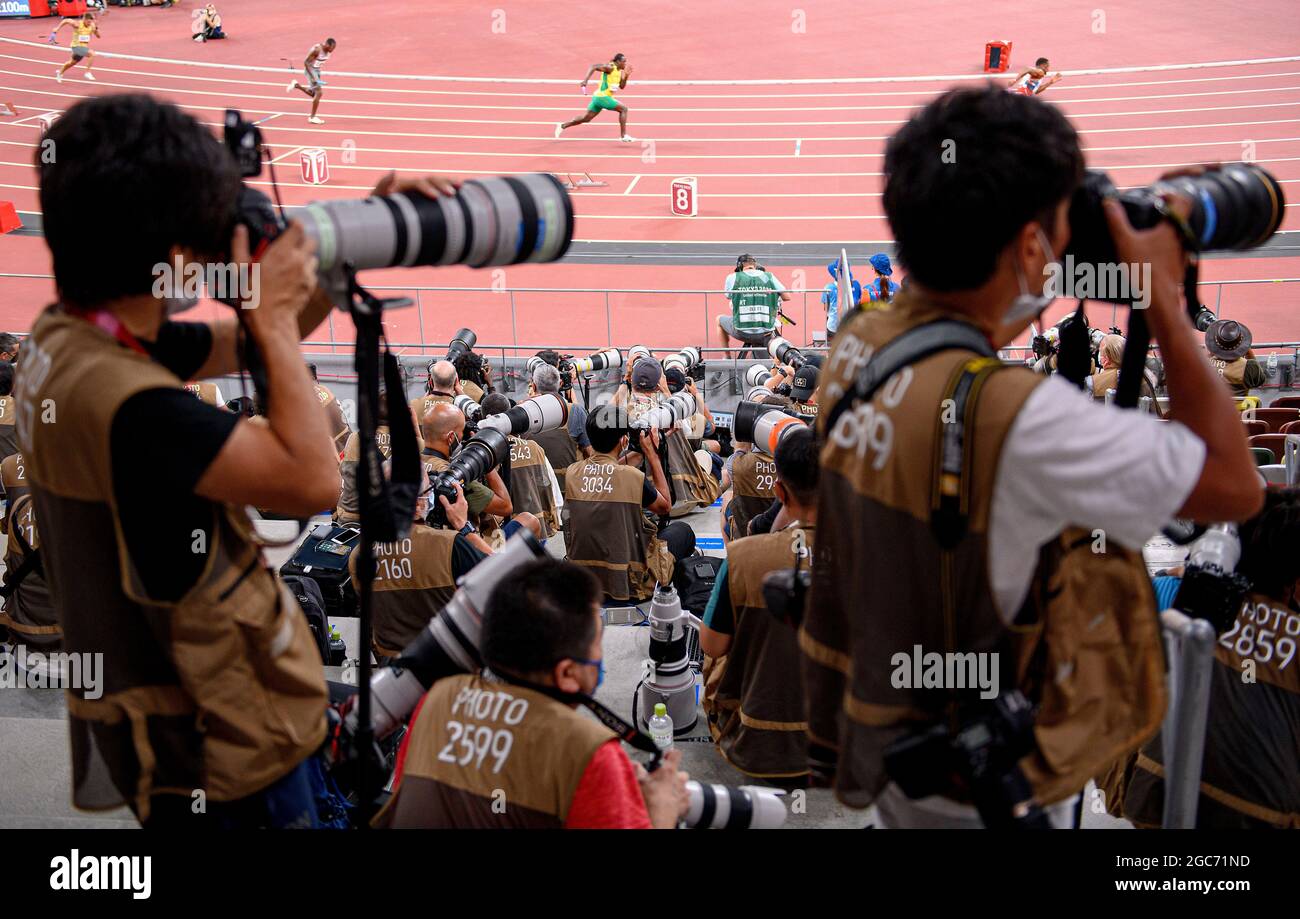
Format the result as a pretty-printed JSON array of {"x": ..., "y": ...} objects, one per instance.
[{"x": 599, "y": 664}]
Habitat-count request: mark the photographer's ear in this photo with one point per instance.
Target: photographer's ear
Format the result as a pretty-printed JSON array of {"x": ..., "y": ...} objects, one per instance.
[{"x": 782, "y": 495}]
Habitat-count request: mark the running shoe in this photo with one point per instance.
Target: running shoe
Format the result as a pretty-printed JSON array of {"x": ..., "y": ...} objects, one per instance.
[
  {"x": 89, "y": 76},
  {"x": 58, "y": 74},
  {"x": 559, "y": 128},
  {"x": 314, "y": 119},
  {"x": 292, "y": 86},
  {"x": 627, "y": 138}
]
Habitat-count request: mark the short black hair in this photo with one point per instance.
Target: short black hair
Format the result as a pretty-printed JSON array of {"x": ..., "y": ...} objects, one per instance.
[
  {"x": 1270, "y": 544},
  {"x": 1041, "y": 61},
  {"x": 606, "y": 426},
  {"x": 130, "y": 159},
  {"x": 620, "y": 56},
  {"x": 8, "y": 342},
  {"x": 6, "y": 378},
  {"x": 330, "y": 41},
  {"x": 540, "y": 616},
  {"x": 966, "y": 173},
  {"x": 469, "y": 366},
  {"x": 550, "y": 356},
  {"x": 798, "y": 466},
  {"x": 494, "y": 403}
]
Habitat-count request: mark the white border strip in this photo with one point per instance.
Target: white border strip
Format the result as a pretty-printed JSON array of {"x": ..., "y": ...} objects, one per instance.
[{"x": 803, "y": 81}]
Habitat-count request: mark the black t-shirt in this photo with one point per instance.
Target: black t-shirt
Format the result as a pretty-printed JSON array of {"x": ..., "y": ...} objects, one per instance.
[
  {"x": 649, "y": 494},
  {"x": 162, "y": 441},
  {"x": 463, "y": 557}
]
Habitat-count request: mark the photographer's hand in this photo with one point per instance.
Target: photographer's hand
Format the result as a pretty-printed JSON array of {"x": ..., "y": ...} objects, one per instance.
[
  {"x": 431, "y": 186},
  {"x": 664, "y": 791},
  {"x": 457, "y": 512}
]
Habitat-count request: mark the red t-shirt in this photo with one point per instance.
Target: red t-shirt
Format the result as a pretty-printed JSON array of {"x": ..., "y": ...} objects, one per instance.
[{"x": 608, "y": 795}]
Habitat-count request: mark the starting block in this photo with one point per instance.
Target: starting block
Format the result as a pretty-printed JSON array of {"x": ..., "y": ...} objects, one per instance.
[
  {"x": 47, "y": 120},
  {"x": 585, "y": 182},
  {"x": 997, "y": 56},
  {"x": 8, "y": 108},
  {"x": 8, "y": 217},
  {"x": 315, "y": 166},
  {"x": 685, "y": 201}
]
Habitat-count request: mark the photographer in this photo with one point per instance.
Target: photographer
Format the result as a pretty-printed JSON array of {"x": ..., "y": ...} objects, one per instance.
[
  {"x": 758, "y": 716},
  {"x": 333, "y": 411},
  {"x": 214, "y": 679},
  {"x": 555, "y": 768},
  {"x": 1249, "y": 778},
  {"x": 10, "y": 345},
  {"x": 8, "y": 428},
  {"x": 749, "y": 483},
  {"x": 562, "y": 445},
  {"x": 756, "y": 296},
  {"x": 1110, "y": 351},
  {"x": 693, "y": 486},
  {"x": 416, "y": 576},
  {"x": 471, "y": 371},
  {"x": 443, "y": 430},
  {"x": 608, "y": 533},
  {"x": 442, "y": 386},
  {"x": 1003, "y": 566},
  {"x": 532, "y": 484},
  {"x": 348, "y": 508},
  {"x": 1232, "y": 358},
  {"x": 28, "y": 615}
]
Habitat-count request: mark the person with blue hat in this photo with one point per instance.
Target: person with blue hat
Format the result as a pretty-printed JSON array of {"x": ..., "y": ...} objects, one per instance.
[
  {"x": 882, "y": 288},
  {"x": 831, "y": 296}
]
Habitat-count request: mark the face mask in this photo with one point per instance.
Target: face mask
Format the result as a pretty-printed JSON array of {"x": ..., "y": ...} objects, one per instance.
[
  {"x": 174, "y": 305},
  {"x": 599, "y": 664},
  {"x": 1027, "y": 305}
]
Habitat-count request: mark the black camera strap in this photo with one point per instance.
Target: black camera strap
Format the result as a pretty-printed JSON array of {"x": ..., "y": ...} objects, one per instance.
[{"x": 628, "y": 733}]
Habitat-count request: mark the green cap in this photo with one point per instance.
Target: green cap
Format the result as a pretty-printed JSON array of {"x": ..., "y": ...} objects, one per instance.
[{"x": 661, "y": 709}]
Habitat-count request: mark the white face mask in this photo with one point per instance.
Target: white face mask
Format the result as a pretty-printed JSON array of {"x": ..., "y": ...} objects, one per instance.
[{"x": 1027, "y": 305}]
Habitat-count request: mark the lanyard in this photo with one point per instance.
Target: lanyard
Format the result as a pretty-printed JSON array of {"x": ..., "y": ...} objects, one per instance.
[{"x": 109, "y": 323}]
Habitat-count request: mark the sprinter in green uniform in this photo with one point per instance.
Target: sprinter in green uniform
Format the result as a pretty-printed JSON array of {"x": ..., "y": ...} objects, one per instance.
[{"x": 613, "y": 77}]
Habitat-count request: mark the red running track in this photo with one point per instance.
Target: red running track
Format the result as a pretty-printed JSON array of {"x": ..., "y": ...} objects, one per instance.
[{"x": 794, "y": 162}]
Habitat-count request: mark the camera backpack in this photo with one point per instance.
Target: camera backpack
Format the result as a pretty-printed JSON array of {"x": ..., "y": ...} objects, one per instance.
[
  {"x": 694, "y": 581},
  {"x": 323, "y": 558}
]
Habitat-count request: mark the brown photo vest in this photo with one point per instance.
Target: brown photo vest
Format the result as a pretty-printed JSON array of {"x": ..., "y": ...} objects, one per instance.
[
  {"x": 205, "y": 392},
  {"x": 530, "y": 484},
  {"x": 221, "y": 692},
  {"x": 8, "y": 431},
  {"x": 692, "y": 485},
  {"x": 413, "y": 582},
  {"x": 1085, "y": 647},
  {"x": 1250, "y": 772},
  {"x": 338, "y": 425},
  {"x": 421, "y": 404},
  {"x": 349, "y": 506},
  {"x": 536, "y": 752},
  {"x": 28, "y": 612},
  {"x": 761, "y": 723},
  {"x": 561, "y": 451},
  {"x": 609, "y": 535},
  {"x": 753, "y": 481}
]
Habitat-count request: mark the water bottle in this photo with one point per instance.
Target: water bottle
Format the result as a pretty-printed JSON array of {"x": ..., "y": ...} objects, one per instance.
[
  {"x": 1272, "y": 364},
  {"x": 661, "y": 727}
]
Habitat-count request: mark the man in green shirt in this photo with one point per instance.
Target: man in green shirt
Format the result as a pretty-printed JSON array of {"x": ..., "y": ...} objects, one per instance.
[{"x": 755, "y": 295}]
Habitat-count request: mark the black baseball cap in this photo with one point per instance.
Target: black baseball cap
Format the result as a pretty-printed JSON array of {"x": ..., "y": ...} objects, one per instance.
[
  {"x": 804, "y": 384},
  {"x": 676, "y": 379}
]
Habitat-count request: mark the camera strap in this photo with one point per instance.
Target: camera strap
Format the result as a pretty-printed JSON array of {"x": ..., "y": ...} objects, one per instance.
[{"x": 628, "y": 733}]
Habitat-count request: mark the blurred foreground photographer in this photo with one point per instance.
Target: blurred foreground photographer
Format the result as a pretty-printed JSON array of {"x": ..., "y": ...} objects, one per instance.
[{"x": 1010, "y": 648}]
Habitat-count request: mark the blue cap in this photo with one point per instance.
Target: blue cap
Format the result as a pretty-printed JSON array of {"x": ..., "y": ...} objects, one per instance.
[{"x": 880, "y": 262}]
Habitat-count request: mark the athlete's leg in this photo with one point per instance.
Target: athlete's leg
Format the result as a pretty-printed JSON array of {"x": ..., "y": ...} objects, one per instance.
[
  {"x": 582, "y": 119},
  {"x": 622, "y": 121},
  {"x": 315, "y": 104},
  {"x": 90, "y": 59}
]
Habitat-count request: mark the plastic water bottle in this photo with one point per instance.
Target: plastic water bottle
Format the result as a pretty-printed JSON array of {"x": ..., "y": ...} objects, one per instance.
[
  {"x": 661, "y": 727},
  {"x": 1272, "y": 363}
]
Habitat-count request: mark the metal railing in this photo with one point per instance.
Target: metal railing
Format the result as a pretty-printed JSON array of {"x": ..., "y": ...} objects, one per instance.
[{"x": 559, "y": 309}]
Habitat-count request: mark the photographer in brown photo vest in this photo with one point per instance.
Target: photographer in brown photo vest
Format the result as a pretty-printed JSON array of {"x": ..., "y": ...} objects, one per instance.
[
  {"x": 757, "y": 715},
  {"x": 544, "y": 765},
  {"x": 213, "y": 693},
  {"x": 333, "y": 411},
  {"x": 28, "y": 615},
  {"x": 531, "y": 480},
  {"x": 1020, "y": 552}
]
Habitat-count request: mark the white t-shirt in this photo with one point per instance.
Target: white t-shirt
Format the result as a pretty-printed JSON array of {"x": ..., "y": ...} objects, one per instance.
[{"x": 1068, "y": 460}]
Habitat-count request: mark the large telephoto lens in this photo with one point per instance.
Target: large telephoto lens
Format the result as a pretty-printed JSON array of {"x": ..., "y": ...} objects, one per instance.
[
  {"x": 784, "y": 352},
  {"x": 1236, "y": 206},
  {"x": 638, "y": 352},
  {"x": 665, "y": 415},
  {"x": 762, "y": 425},
  {"x": 609, "y": 359},
  {"x": 468, "y": 407},
  {"x": 725, "y": 807},
  {"x": 547, "y": 412},
  {"x": 495, "y": 221},
  {"x": 477, "y": 456},
  {"x": 463, "y": 341},
  {"x": 683, "y": 360},
  {"x": 757, "y": 375}
]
